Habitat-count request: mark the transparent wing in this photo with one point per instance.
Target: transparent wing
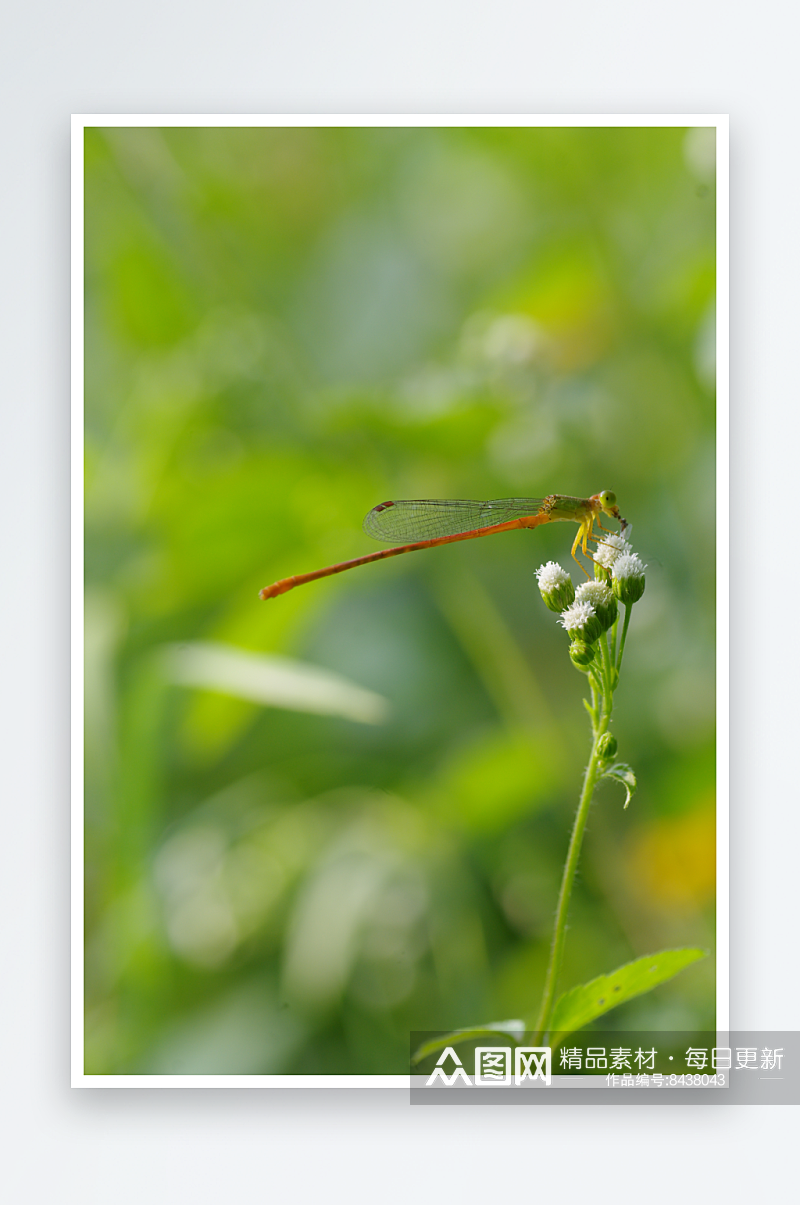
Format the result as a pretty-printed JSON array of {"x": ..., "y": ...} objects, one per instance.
[{"x": 407, "y": 521}]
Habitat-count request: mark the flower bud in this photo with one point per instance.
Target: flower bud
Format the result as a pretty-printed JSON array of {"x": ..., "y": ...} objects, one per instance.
[
  {"x": 581, "y": 622},
  {"x": 601, "y": 598},
  {"x": 556, "y": 587},
  {"x": 581, "y": 654},
  {"x": 609, "y": 549},
  {"x": 607, "y": 746},
  {"x": 628, "y": 578}
]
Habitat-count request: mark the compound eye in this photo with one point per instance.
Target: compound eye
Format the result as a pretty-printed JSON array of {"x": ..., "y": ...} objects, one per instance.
[{"x": 608, "y": 499}]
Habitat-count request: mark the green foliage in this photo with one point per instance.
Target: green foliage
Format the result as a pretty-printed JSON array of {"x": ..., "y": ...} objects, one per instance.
[
  {"x": 581, "y": 1005},
  {"x": 283, "y": 328},
  {"x": 585, "y": 1003}
]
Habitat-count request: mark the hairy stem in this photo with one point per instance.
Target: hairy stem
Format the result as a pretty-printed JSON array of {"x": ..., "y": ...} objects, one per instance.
[
  {"x": 600, "y": 721},
  {"x": 628, "y": 609}
]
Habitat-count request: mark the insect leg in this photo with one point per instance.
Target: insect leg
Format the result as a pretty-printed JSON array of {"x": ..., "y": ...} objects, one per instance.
[{"x": 584, "y": 531}]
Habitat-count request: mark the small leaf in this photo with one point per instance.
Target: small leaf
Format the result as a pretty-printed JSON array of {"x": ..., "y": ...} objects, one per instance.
[
  {"x": 582, "y": 1004},
  {"x": 624, "y": 774},
  {"x": 512, "y": 1029}
]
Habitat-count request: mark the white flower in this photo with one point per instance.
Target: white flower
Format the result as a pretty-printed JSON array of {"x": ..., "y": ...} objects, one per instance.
[
  {"x": 628, "y": 578},
  {"x": 577, "y": 616},
  {"x": 610, "y": 548},
  {"x": 556, "y": 586},
  {"x": 551, "y": 576},
  {"x": 627, "y": 566},
  {"x": 597, "y": 594},
  {"x": 601, "y": 599}
]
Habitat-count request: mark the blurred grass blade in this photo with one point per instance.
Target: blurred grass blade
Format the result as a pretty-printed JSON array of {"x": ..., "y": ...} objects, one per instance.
[
  {"x": 513, "y": 1029},
  {"x": 584, "y": 1003},
  {"x": 272, "y": 681}
]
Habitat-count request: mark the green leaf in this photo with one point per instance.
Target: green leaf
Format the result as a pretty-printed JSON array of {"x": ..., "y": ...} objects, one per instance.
[
  {"x": 512, "y": 1029},
  {"x": 582, "y": 1004},
  {"x": 624, "y": 774}
]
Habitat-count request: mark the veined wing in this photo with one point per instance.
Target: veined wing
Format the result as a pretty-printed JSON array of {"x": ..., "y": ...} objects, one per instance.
[{"x": 408, "y": 521}]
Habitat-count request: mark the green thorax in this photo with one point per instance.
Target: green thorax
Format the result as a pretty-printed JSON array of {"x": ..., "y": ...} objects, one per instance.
[{"x": 562, "y": 508}]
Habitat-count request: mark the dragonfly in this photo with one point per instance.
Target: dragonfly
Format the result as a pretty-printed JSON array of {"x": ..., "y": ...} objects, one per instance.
[{"x": 420, "y": 523}]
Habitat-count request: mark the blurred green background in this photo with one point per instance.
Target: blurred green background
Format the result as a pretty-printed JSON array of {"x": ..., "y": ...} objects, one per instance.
[{"x": 317, "y": 823}]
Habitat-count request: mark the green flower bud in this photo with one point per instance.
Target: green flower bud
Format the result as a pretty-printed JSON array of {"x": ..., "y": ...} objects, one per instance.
[
  {"x": 607, "y": 746},
  {"x": 581, "y": 654},
  {"x": 628, "y": 579},
  {"x": 556, "y": 587},
  {"x": 582, "y": 623},
  {"x": 600, "y": 597}
]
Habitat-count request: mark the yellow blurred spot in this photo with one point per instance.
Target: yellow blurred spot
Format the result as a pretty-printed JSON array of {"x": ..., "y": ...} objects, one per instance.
[{"x": 672, "y": 861}]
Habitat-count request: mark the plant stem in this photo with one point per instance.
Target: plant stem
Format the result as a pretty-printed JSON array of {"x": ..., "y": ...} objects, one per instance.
[
  {"x": 596, "y": 685},
  {"x": 600, "y": 721},
  {"x": 628, "y": 609},
  {"x": 605, "y": 657}
]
